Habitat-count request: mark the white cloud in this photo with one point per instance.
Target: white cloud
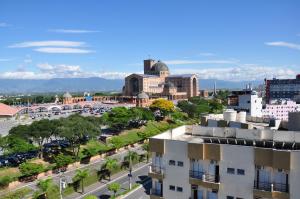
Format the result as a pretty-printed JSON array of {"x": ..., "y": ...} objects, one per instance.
[
  {"x": 3, "y": 25},
  {"x": 284, "y": 44},
  {"x": 181, "y": 62},
  {"x": 206, "y": 54},
  {"x": 62, "y": 50},
  {"x": 48, "y": 71},
  {"x": 53, "y": 43},
  {"x": 73, "y": 31},
  {"x": 245, "y": 72},
  {"x": 4, "y": 59}
]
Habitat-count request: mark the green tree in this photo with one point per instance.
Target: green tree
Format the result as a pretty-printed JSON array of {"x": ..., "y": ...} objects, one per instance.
[
  {"x": 80, "y": 176},
  {"x": 117, "y": 118},
  {"x": 12, "y": 144},
  {"x": 74, "y": 129},
  {"x": 110, "y": 165},
  {"x": 114, "y": 187}
]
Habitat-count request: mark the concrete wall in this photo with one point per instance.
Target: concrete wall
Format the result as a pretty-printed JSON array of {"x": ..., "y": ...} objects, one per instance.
[
  {"x": 176, "y": 175},
  {"x": 237, "y": 157},
  {"x": 295, "y": 175}
]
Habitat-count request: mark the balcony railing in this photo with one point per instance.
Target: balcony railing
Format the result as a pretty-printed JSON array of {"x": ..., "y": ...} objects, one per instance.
[
  {"x": 156, "y": 169},
  {"x": 268, "y": 186},
  {"x": 204, "y": 176},
  {"x": 156, "y": 192}
]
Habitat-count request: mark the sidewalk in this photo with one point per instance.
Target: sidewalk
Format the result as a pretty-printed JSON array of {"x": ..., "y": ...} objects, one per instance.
[{"x": 102, "y": 185}]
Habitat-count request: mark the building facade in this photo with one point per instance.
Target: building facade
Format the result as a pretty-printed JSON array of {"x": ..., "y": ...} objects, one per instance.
[
  {"x": 277, "y": 89},
  {"x": 280, "y": 109},
  {"x": 225, "y": 163},
  {"x": 247, "y": 101},
  {"x": 158, "y": 82}
]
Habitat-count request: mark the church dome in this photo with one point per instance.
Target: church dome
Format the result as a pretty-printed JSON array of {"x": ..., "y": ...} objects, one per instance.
[
  {"x": 160, "y": 66},
  {"x": 142, "y": 95},
  {"x": 67, "y": 95}
]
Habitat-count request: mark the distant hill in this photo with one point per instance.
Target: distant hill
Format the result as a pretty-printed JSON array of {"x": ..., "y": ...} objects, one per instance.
[
  {"x": 59, "y": 85},
  {"x": 93, "y": 84},
  {"x": 221, "y": 84}
]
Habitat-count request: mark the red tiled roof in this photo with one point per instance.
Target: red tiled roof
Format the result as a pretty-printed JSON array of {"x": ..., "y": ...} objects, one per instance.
[{"x": 6, "y": 110}]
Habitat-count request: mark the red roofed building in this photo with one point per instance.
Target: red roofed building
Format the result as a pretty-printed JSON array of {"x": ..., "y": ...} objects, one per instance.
[{"x": 7, "y": 111}]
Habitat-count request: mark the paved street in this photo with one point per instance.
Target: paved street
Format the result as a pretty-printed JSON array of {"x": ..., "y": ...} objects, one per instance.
[
  {"x": 141, "y": 192},
  {"x": 99, "y": 189},
  {"x": 94, "y": 165}
]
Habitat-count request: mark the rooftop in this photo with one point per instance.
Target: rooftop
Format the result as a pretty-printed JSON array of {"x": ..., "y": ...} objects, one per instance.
[{"x": 284, "y": 140}]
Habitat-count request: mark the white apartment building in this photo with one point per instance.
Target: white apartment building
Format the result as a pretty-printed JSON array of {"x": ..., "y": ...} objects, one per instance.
[
  {"x": 249, "y": 102},
  {"x": 280, "y": 109},
  {"x": 195, "y": 162}
]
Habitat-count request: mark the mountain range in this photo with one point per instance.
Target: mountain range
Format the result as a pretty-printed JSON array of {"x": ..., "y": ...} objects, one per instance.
[{"x": 93, "y": 84}]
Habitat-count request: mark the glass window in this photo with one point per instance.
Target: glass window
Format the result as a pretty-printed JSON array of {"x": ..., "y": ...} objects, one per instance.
[
  {"x": 240, "y": 171},
  {"x": 230, "y": 170},
  {"x": 172, "y": 187},
  {"x": 180, "y": 164},
  {"x": 229, "y": 197},
  {"x": 179, "y": 189},
  {"x": 172, "y": 162}
]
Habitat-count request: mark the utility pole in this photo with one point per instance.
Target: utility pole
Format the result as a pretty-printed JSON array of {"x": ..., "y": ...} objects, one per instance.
[{"x": 130, "y": 170}]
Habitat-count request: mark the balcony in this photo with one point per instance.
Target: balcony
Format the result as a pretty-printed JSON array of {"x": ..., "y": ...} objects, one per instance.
[
  {"x": 271, "y": 190},
  {"x": 205, "y": 180},
  {"x": 156, "y": 172},
  {"x": 156, "y": 194}
]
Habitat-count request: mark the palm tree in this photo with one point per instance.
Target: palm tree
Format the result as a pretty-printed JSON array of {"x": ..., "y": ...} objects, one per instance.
[
  {"x": 80, "y": 176},
  {"x": 110, "y": 165},
  {"x": 47, "y": 189},
  {"x": 114, "y": 187},
  {"x": 147, "y": 149},
  {"x": 132, "y": 156}
]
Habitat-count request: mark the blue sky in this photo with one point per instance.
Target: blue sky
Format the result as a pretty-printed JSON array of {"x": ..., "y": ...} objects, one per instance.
[{"x": 229, "y": 40}]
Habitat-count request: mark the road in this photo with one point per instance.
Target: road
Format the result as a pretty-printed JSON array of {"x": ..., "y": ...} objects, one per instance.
[
  {"x": 139, "y": 175},
  {"x": 94, "y": 165}
]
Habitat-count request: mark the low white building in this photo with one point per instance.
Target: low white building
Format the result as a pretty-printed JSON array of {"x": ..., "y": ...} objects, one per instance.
[
  {"x": 280, "y": 109},
  {"x": 195, "y": 162},
  {"x": 250, "y": 103}
]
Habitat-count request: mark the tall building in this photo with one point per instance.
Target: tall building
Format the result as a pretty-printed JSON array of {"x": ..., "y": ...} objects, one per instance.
[
  {"x": 282, "y": 88},
  {"x": 158, "y": 82},
  {"x": 225, "y": 163}
]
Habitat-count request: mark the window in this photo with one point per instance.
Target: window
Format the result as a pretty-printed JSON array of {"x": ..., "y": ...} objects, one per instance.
[
  {"x": 229, "y": 197},
  {"x": 180, "y": 164},
  {"x": 239, "y": 198},
  {"x": 230, "y": 170},
  {"x": 172, "y": 187},
  {"x": 172, "y": 162},
  {"x": 179, "y": 189},
  {"x": 240, "y": 171}
]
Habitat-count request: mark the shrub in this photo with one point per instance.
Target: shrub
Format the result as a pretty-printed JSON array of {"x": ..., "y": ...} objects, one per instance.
[
  {"x": 5, "y": 180},
  {"x": 30, "y": 169},
  {"x": 62, "y": 160}
]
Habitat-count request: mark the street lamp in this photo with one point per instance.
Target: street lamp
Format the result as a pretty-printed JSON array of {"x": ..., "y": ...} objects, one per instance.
[
  {"x": 130, "y": 170},
  {"x": 62, "y": 183}
]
